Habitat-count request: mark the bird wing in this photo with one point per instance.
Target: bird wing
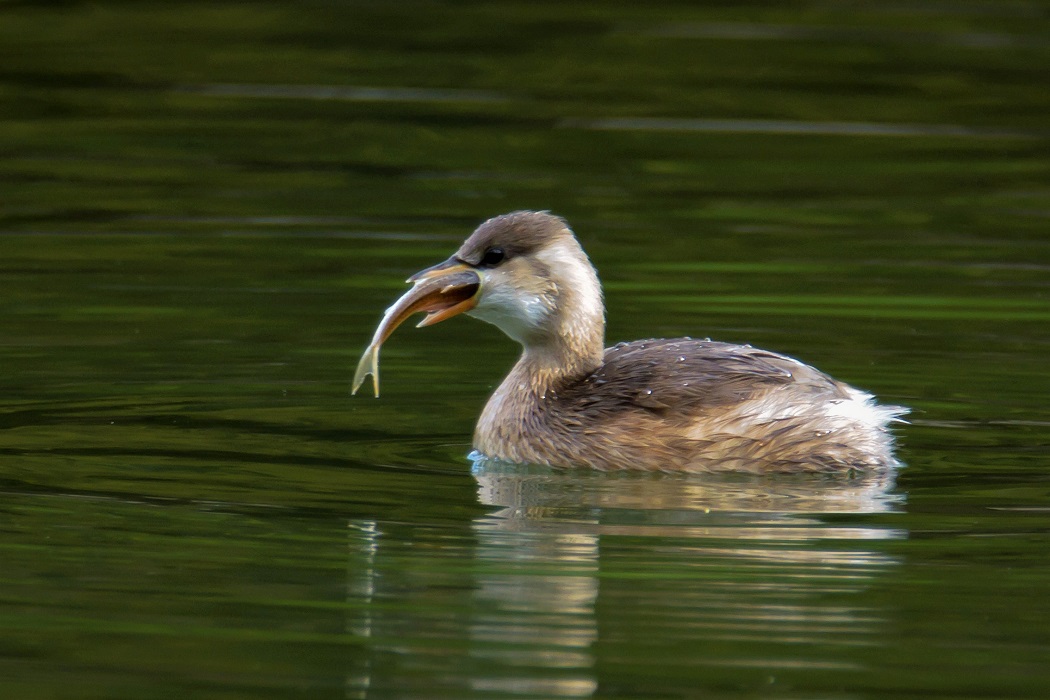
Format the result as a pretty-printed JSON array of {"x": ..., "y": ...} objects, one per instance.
[{"x": 687, "y": 376}]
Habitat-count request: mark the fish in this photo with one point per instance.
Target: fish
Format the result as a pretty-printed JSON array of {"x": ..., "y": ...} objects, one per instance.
[{"x": 439, "y": 295}]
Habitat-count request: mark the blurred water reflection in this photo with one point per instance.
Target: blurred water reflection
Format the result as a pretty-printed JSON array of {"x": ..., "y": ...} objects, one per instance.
[{"x": 751, "y": 566}]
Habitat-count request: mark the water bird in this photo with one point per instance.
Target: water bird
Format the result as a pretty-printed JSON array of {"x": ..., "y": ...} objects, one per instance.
[{"x": 661, "y": 404}]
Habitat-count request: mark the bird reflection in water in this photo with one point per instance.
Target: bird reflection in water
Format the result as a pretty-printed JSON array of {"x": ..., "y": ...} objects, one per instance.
[{"x": 762, "y": 571}]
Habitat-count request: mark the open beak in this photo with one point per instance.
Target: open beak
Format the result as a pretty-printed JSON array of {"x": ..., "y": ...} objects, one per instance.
[
  {"x": 455, "y": 290},
  {"x": 442, "y": 291}
]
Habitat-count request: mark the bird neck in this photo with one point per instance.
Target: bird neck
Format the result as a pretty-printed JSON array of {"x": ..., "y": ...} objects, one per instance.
[
  {"x": 571, "y": 344},
  {"x": 572, "y": 351},
  {"x": 572, "y": 348},
  {"x": 519, "y": 406}
]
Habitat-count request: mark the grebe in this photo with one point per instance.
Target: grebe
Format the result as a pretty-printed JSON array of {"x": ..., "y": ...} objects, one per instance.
[{"x": 669, "y": 404}]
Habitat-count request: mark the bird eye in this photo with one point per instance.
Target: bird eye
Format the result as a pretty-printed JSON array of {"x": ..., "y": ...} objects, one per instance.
[{"x": 492, "y": 257}]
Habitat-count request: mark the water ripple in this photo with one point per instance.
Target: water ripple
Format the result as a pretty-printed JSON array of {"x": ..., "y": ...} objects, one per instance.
[
  {"x": 342, "y": 93},
  {"x": 791, "y": 127},
  {"x": 753, "y": 31}
]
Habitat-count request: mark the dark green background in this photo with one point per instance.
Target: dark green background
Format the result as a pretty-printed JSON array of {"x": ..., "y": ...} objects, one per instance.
[{"x": 205, "y": 207}]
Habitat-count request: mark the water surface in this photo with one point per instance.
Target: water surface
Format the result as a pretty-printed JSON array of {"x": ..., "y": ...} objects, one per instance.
[{"x": 207, "y": 206}]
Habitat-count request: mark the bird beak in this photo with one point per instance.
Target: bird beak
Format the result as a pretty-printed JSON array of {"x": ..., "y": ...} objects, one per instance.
[
  {"x": 445, "y": 290},
  {"x": 442, "y": 291}
]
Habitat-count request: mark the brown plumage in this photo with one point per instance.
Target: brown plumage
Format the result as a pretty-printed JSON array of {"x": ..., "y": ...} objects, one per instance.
[{"x": 678, "y": 404}]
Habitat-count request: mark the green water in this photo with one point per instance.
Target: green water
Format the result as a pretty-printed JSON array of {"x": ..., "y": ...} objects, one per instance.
[{"x": 205, "y": 207}]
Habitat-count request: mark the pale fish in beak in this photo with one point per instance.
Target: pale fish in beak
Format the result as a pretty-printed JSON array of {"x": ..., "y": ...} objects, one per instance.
[{"x": 442, "y": 292}]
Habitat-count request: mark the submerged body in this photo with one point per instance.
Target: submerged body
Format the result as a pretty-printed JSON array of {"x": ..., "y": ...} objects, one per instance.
[{"x": 678, "y": 404}]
